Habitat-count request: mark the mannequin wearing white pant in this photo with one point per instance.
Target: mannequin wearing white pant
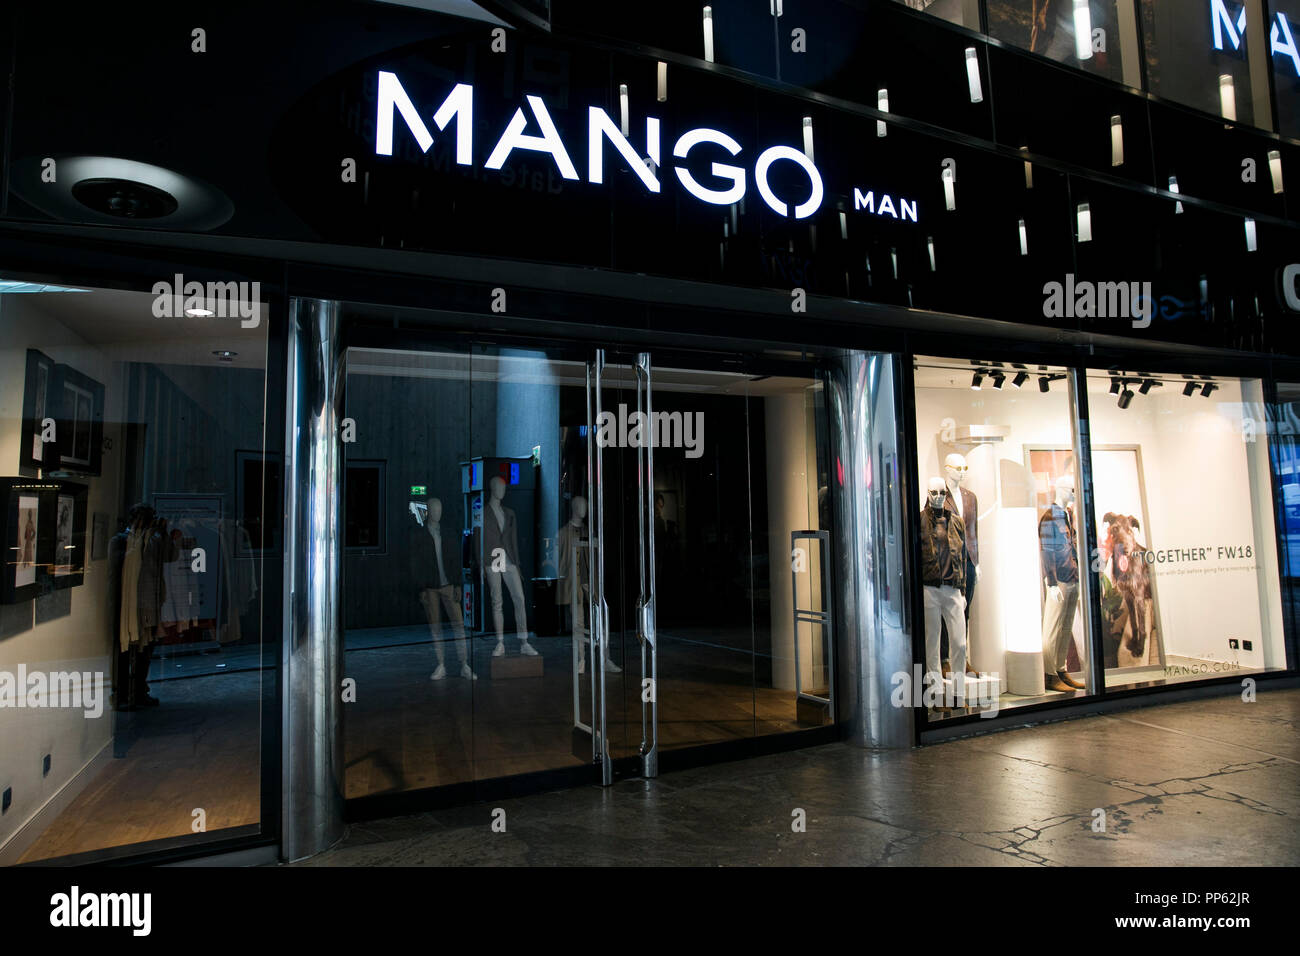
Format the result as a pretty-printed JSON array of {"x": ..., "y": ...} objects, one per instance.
[
  {"x": 501, "y": 552},
  {"x": 442, "y": 596},
  {"x": 943, "y": 570},
  {"x": 516, "y": 588},
  {"x": 948, "y": 604}
]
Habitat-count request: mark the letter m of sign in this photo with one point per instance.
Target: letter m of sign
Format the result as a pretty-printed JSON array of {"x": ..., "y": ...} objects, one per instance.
[{"x": 1219, "y": 17}]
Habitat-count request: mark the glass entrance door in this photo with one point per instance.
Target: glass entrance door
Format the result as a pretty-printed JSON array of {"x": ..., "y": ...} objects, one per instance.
[{"x": 560, "y": 557}]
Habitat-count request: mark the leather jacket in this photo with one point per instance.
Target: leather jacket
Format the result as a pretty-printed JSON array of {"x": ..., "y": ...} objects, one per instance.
[{"x": 942, "y": 566}]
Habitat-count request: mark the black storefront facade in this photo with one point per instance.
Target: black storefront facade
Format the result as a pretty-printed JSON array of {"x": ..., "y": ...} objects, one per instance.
[{"x": 328, "y": 330}]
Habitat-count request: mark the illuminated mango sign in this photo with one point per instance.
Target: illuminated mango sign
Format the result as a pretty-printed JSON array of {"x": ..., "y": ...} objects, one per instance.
[
  {"x": 727, "y": 184},
  {"x": 1231, "y": 30}
]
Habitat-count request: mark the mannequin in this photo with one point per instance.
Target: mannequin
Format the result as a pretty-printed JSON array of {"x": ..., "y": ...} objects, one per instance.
[
  {"x": 572, "y": 589},
  {"x": 943, "y": 574},
  {"x": 442, "y": 596},
  {"x": 1059, "y": 554},
  {"x": 501, "y": 567},
  {"x": 964, "y": 503}
]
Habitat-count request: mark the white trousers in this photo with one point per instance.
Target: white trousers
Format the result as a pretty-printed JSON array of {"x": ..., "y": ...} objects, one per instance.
[
  {"x": 948, "y": 604},
  {"x": 1058, "y": 627},
  {"x": 516, "y": 588},
  {"x": 439, "y": 601}
]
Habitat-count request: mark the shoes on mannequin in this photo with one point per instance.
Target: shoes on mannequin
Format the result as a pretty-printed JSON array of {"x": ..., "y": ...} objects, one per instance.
[
  {"x": 439, "y": 673},
  {"x": 466, "y": 672},
  {"x": 611, "y": 667},
  {"x": 526, "y": 649},
  {"x": 1069, "y": 681},
  {"x": 1053, "y": 682},
  {"x": 499, "y": 650}
]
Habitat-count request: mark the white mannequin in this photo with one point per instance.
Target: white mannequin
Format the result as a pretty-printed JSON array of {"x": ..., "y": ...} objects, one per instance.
[
  {"x": 944, "y": 603},
  {"x": 444, "y": 598},
  {"x": 573, "y": 584},
  {"x": 955, "y": 467},
  {"x": 504, "y": 520},
  {"x": 957, "y": 471}
]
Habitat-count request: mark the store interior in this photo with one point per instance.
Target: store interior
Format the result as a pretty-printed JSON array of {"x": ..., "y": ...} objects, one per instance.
[
  {"x": 1187, "y": 560},
  {"x": 134, "y": 584}
]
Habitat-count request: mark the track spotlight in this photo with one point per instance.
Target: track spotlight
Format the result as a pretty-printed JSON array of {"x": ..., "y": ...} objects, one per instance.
[
  {"x": 1208, "y": 388},
  {"x": 1114, "y": 385},
  {"x": 1020, "y": 379},
  {"x": 1189, "y": 388},
  {"x": 977, "y": 381},
  {"x": 1148, "y": 385},
  {"x": 1044, "y": 383},
  {"x": 998, "y": 379},
  {"x": 1125, "y": 398}
]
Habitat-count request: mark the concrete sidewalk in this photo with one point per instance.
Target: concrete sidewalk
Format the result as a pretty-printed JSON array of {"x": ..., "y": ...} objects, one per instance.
[{"x": 1209, "y": 782}]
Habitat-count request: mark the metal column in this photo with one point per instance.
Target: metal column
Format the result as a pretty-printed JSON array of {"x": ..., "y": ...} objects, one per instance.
[
  {"x": 873, "y": 611},
  {"x": 313, "y": 649}
]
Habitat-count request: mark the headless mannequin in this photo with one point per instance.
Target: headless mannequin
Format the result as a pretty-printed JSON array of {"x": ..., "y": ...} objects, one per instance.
[
  {"x": 501, "y": 570},
  {"x": 943, "y": 576},
  {"x": 965, "y": 504},
  {"x": 443, "y": 597},
  {"x": 574, "y": 583},
  {"x": 1059, "y": 556}
]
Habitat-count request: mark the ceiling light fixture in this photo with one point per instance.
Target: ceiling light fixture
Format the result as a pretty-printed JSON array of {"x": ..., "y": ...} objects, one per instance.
[
  {"x": 1044, "y": 383},
  {"x": 1125, "y": 398},
  {"x": 1189, "y": 388},
  {"x": 977, "y": 381},
  {"x": 1208, "y": 388},
  {"x": 998, "y": 379},
  {"x": 1020, "y": 379}
]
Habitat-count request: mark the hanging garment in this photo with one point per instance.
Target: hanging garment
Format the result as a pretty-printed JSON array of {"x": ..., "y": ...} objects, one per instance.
[{"x": 132, "y": 561}]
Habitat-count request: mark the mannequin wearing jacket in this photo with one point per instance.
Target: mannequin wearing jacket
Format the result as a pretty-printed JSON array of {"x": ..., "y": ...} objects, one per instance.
[
  {"x": 963, "y": 502},
  {"x": 943, "y": 576},
  {"x": 439, "y": 563},
  {"x": 1058, "y": 546},
  {"x": 500, "y": 558},
  {"x": 572, "y": 589}
]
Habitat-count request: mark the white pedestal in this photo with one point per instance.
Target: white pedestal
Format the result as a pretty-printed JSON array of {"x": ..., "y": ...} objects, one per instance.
[{"x": 1025, "y": 673}]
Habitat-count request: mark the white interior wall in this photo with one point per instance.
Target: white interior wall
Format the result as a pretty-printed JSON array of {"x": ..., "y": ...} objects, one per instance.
[{"x": 81, "y": 640}]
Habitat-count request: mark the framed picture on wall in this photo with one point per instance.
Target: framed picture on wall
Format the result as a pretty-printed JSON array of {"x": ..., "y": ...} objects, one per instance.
[
  {"x": 78, "y": 401},
  {"x": 32, "y": 448},
  {"x": 26, "y": 528},
  {"x": 68, "y": 558}
]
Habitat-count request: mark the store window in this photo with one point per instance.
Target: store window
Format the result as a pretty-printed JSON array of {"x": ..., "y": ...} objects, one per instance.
[
  {"x": 1097, "y": 36},
  {"x": 1196, "y": 55},
  {"x": 1187, "y": 563},
  {"x": 999, "y": 551},
  {"x": 140, "y": 515},
  {"x": 965, "y": 13}
]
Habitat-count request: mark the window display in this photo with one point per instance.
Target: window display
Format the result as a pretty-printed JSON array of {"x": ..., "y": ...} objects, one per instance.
[
  {"x": 1099, "y": 36},
  {"x": 132, "y": 606},
  {"x": 1187, "y": 563},
  {"x": 999, "y": 546}
]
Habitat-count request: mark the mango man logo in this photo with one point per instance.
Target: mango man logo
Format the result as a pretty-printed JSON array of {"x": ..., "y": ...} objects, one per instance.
[
  {"x": 1289, "y": 291},
  {"x": 727, "y": 184}
]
